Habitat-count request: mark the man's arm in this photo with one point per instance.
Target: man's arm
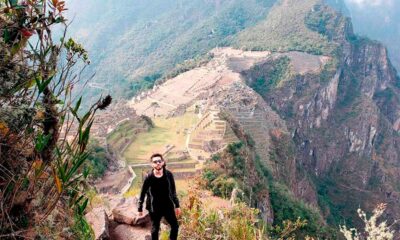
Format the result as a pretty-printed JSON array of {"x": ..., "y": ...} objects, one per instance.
[
  {"x": 173, "y": 191},
  {"x": 145, "y": 188}
]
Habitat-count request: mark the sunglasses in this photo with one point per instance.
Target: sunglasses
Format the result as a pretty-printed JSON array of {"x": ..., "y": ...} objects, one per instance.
[{"x": 157, "y": 161}]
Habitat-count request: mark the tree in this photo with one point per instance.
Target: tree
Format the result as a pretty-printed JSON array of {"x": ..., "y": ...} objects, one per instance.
[
  {"x": 373, "y": 229},
  {"x": 39, "y": 168}
]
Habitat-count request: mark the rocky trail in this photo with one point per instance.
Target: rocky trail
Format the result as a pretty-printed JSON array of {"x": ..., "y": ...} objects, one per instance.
[{"x": 116, "y": 218}]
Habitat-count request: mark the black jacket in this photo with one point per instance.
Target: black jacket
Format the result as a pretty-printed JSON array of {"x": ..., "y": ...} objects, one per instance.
[{"x": 147, "y": 191}]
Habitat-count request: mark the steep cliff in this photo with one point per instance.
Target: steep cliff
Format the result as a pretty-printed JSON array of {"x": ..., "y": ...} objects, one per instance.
[{"x": 343, "y": 119}]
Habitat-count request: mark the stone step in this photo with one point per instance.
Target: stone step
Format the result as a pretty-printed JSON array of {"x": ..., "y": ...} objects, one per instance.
[
  {"x": 255, "y": 115},
  {"x": 205, "y": 135},
  {"x": 231, "y": 140},
  {"x": 254, "y": 128},
  {"x": 197, "y": 140},
  {"x": 252, "y": 122},
  {"x": 217, "y": 131},
  {"x": 195, "y": 146}
]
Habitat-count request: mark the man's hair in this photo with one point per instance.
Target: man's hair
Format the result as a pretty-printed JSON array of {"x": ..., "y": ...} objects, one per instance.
[{"x": 156, "y": 155}]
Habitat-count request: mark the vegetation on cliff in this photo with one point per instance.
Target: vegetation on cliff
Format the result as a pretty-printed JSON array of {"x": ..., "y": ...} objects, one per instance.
[
  {"x": 239, "y": 169},
  {"x": 42, "y": 176},
  {"x": 339, "y": 118}
]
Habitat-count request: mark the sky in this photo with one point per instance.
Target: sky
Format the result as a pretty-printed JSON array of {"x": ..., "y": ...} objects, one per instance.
[{"x": 370, "y": 3}]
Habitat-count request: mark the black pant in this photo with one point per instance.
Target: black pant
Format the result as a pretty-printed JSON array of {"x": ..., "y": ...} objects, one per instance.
[{"x": 169, "y": 215}]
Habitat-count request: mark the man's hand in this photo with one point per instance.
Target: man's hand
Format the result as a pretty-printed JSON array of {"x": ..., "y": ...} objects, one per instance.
[
  {"x": 140, "y": 214},
  {"x": 178, "y": 212}
]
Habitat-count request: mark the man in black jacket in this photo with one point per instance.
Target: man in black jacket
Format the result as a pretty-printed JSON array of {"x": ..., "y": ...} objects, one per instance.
[{"x": 159, "y": 187}]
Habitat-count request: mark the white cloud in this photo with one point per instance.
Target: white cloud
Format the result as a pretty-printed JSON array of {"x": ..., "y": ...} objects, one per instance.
[{"x": 369, "y": 3}]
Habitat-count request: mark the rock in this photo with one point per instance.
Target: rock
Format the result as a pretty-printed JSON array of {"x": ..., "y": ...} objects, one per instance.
[
  {"x": 123, "y": 215},
  {"x": 98, "y": 220},
  {"x": 126, "y": 212},
  {"x": 141, "y": 221},
  {"x": 126, "y": 232}
]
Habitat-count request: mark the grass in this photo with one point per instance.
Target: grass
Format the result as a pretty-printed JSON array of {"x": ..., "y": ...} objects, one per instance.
[
  {"x": 166, "y": 132},
  {"x": 124, "y": 133}
]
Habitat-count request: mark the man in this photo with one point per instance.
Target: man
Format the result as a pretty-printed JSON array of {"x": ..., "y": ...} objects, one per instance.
[{"x": 159, "y": 186}]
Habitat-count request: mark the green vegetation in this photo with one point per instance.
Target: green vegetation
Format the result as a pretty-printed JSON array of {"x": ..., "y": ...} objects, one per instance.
[
  {"x": 270, "y": 77},
  {"x": 166, "y": 131},
  {"x": 144, "y": 83},
  {"x": 43, "y": 177},
  {"x": 237, "y": 222},
  {"x": 386, "y": 95},
  {"x": 328, "y": 71},
  {"x": 373, "y": 229},
  {"x": 134, "y": 39},
  {"x": 97, "y": 160},
  {"x": 330, "y": 191},
  {"x": 220, "y": 185},
  {"x": 285, "y": 30},
  {"x": 282, "y": 155},
  {"x": 126, "y": 132},
  {"x": 234, "y": 169},
  {"x": 324, "y": 20},
  {"x": 286, "y": 207},
  {"x": 229, "y": 171},
  {"x": 350, "y": 91},
  {"x": 188, "y": 65}
]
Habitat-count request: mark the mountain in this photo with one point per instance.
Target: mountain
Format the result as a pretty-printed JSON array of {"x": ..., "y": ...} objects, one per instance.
[
  {"x": 339, "y": 119},
  {"x": 134, "y": 43},
  {"x": 315, "y": 104},
  {"x": 378, "y": 20}
]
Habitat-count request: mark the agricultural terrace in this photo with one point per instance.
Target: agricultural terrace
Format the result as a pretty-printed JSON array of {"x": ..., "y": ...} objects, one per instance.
[{"x": 169, "y": 137}]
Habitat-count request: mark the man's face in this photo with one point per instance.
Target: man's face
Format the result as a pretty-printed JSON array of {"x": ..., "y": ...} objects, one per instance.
[{"x": 157, "y": 163}]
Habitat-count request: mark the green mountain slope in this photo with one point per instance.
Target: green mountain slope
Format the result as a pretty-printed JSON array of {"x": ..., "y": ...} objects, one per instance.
[
  {"x": 130, "y": 40},
  {"x": 284, "y": 30},
  {"x": 346, "y": 137}
]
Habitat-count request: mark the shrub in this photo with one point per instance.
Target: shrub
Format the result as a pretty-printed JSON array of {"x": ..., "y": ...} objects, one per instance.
[
  {"x": 38, "y": 72},
  {"x": 373, "y": 230},
  {"x": 236, "y": 223}
]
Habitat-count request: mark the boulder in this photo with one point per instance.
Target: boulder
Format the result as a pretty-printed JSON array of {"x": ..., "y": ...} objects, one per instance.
[
  {"x": 126, "y": 212},
  {"x": 98, "y": 220},
  {"x": 126, "y": 232}
]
